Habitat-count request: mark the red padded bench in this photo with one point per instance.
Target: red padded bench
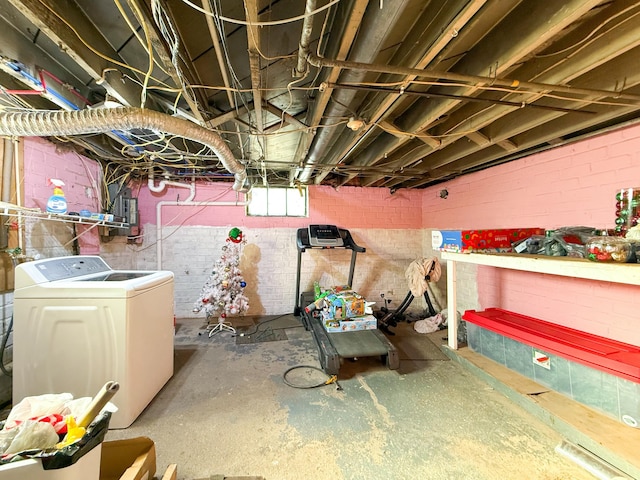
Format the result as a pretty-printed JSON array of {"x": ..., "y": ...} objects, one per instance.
[{"x": 610, "y": 356}]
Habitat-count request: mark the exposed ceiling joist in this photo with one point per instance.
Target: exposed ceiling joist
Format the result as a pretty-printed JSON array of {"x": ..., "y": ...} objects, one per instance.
[{"x": 401, "y": 94}]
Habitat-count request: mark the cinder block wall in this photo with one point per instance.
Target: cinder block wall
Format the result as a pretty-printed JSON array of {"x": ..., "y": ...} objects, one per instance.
[{"x": 573, "y": 185}]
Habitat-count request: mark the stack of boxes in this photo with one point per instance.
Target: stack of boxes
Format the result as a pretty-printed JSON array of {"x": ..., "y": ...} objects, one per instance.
[
  {"x": 343, "y": 310},
  {"x": 481, "y": 241}
]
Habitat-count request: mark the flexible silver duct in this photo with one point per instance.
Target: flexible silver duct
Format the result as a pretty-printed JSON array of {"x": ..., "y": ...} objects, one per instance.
[{"x": 101, "y": 120}]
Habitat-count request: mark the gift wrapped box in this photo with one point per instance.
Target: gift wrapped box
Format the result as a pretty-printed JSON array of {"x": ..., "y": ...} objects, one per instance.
[
  {"x": 342, "y": 305},
  {"x": 367, "y": 322}
]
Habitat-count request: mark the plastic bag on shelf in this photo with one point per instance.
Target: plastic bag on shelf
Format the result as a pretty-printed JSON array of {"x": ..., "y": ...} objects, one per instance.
[
  {"x": 567, "y": 241},
  {"x": 533, "y": 245}
]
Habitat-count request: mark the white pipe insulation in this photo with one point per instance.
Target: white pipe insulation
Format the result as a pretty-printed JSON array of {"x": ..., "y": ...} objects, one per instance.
[{"x": 103, "y": 120}]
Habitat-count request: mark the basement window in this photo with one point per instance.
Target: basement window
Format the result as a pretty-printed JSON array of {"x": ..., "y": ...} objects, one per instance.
[{"x": 277, "y": 202}]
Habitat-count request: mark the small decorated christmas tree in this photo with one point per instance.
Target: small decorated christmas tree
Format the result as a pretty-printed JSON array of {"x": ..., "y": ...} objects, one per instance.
[{"x": 223, "y": 293}]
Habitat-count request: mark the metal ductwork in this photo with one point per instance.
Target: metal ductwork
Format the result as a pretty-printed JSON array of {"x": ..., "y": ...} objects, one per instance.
[
  {"x": 371, "y": 37},
  {"x": 82, "y": 122}
]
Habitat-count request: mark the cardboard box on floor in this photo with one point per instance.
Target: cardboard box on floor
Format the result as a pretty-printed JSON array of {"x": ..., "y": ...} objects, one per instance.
[{"x": 130, "y": 459}]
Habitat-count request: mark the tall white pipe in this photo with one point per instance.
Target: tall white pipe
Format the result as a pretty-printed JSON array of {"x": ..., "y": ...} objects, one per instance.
[
  {"x": 7, "y": 175},
  {"x": 159, "y": 188},
  {"x": 16, "y": 164},
  {"x": 189, "y": 203}
]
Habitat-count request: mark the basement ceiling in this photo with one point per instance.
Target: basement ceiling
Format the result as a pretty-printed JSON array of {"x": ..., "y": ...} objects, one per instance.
[{"x": 385, "y": 93}]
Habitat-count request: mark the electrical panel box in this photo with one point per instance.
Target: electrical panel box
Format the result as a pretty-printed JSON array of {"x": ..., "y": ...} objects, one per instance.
[{"x": 125, "y": 206}]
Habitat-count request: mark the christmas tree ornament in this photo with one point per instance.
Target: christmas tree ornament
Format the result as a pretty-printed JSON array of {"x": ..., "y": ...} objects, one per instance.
[
  {"x": 243, "y": 284},
  {"x": 235, "y": 235}
]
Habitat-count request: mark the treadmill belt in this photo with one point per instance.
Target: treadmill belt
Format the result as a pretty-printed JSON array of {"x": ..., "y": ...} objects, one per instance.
[{"x": 363, "y": 343}]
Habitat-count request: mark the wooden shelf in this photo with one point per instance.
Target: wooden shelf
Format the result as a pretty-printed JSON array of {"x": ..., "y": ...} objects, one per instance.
[{"x": 627, "y": 273}]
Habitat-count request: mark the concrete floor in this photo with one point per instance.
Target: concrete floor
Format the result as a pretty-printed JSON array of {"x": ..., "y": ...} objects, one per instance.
[{"x": 227, "y": 411}]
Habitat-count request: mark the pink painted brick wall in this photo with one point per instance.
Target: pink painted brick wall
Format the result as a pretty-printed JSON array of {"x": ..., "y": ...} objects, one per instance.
[
  {"x": 568, "y": 186},
  {"x": 81, "y": 177},
  {"x": 348, "y": 207}
]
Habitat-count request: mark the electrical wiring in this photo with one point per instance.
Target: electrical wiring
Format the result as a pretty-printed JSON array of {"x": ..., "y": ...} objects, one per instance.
[
  {"x": 263, "y": 24},
  {"x": 198, "y": 210},
  {"x": 225, "y": 48},
  {"x": 95, "y": 51},
  {"x": 147, "y": 35},
  {"x": 146, "y": 45},
  {"x": 584, "y": 42},
  {"x": 172, "y": 38}
]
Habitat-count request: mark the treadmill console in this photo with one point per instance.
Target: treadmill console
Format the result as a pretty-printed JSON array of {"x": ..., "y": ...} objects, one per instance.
[{"x": 325, "y": 236}]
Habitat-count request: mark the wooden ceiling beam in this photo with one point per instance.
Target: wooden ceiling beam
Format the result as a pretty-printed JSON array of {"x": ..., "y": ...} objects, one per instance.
[
  {"x": 160, "y": 51},
  {"x": 544, "y": 22},
  {"x": 387, "y": 103}
]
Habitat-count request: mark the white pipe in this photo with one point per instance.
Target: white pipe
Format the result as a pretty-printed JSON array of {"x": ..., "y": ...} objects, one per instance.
[
  {"x": 16, "y": 164},
  {"x": 163, "y": 184},
  {"x": 157, "y": 189},
  {"x": 159, "y": 206},
  {"x": 7, "y": 175}
]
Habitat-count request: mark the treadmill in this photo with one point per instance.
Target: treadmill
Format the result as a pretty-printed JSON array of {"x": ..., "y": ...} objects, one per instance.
[{"x": 334, "y": 346}]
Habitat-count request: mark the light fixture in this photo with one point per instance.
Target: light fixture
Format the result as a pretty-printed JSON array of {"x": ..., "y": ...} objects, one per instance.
[{"x": 355, "y": 124}]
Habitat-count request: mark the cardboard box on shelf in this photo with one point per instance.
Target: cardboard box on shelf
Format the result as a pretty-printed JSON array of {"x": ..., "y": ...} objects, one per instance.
[
  {"x": 368, "y": 322},
  {"x": 130, "y": 459},
  {"x": 491, "y": 240}
]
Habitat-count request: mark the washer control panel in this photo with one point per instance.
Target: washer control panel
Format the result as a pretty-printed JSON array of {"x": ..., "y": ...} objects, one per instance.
[{"x": 60, "y": 268}]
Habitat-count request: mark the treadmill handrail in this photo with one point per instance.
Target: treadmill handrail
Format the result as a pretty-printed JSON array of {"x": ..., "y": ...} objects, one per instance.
[{"x": 302, "y": 241}]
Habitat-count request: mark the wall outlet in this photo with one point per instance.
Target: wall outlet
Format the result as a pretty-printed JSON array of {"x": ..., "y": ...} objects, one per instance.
[{"x": 541, "y": 359}]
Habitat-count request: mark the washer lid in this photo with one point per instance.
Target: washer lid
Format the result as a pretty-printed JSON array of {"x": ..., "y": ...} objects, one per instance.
[{"x": 122, "y": 284}]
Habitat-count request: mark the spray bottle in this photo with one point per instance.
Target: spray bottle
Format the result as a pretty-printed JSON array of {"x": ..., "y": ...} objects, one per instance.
[{"x": 57, "y": 203}]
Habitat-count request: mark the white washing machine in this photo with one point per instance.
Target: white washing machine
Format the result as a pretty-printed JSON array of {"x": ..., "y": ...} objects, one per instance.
[{"x": 79, "y": 324}]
